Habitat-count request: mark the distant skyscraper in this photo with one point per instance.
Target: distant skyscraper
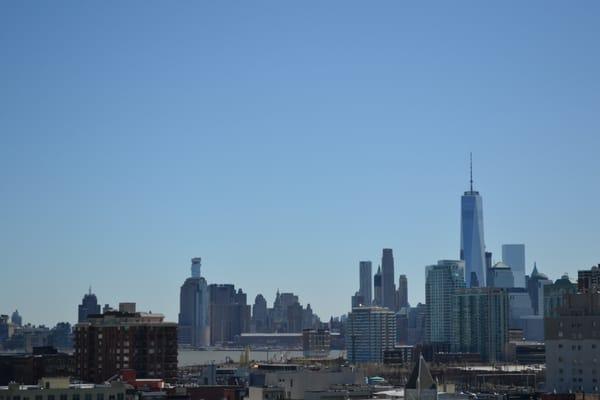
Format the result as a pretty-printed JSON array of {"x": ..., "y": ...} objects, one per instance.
[
  {"x": 366, "y": 282},
  {"x": 89, "y": 305},
  {"x": 370, "y": 331},
  {"x": 229, "y": 313},
  {"x": 441, "y": 283},
  {"x": 16, "y": 318},
  {"x": 388, "y": 286},
  {"x": 472, "y": 244},
  {"x": 402, "y": 300},
  {"x": 513, "y": 255},
  {"x": 259, "y": 313},
  {"x": 535, "y": 288},
  {"x": 501, "y": 276},
  {"x": 378, "y": 300},
  {"x": 194, "y": 326},
  {"x": 196, "y": 265}
]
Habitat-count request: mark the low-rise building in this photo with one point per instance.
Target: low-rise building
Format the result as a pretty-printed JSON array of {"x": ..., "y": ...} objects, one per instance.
[{"x": 62, "y": 389}]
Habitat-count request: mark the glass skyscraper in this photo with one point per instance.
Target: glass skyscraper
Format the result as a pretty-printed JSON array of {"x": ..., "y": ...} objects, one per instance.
[
  {"x": 513, "y": 255},
  {"x": 472, "y": 247}
]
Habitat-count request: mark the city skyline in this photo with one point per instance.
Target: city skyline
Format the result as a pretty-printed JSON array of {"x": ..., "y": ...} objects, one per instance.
[{"x": 285, "y": 143}]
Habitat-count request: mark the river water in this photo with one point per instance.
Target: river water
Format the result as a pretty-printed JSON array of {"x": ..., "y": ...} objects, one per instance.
[{"x": 199, "y": 357}]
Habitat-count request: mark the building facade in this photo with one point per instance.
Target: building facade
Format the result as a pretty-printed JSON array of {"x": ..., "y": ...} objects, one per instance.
[
  {"x": 572, "y": 340},
  {"x": 378, "y": 291},
  {"x": 513, "y": 255},
  {"x": 388, "y": 286},
  {"x": 370, "y": 331},
  {"x": 402, "y": 293},
  {"x": 194, "y": 322},
  {"x": 366, "y": 281},
  {"x": 441, "y": 283},
  {"x": 481, "y": 322},
  {"x": 89, "y": 305},
  {"x": 472, "y": 244},
  {"x": 108, "y": 343}
]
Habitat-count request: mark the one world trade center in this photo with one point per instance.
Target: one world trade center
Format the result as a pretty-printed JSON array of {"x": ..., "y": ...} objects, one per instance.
[{"x": 472, "y": 247}]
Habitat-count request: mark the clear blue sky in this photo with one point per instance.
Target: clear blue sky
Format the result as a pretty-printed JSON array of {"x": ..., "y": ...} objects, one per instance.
[{"x": 283, "y": 142}]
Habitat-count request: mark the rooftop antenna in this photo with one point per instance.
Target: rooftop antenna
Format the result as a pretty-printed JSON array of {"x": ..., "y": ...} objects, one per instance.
[
  {"x": 90, "y": 290},
  {"x": 471, "y": 169}
]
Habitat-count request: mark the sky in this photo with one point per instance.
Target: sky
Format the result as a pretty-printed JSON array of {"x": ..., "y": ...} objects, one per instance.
[{"x": 284, "y": 142}]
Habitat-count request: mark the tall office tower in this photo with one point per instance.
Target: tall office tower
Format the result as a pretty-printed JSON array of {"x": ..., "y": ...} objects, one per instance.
[
  {"x": 366, "y": 282},
  {"x": 89, "y": 305},
  {"x": 370, "y": 331},
  {"x": 500, "y": 276},
  {"x": 441, "y": 283},
  {"x": 229, "y": 313},
  {"x": 388, "y": 286},
  {"x": 402, "y": 293},
  {"x": 472, "y": 245},
  {"x": 259, "y": 313},
  {"x": 513, "y": 255},
  {"x": 143, "y": 342},
  {"x": 481, "y": 322},
  {"x": 572, "y": 340},
  {"x": 589, "y": 280},
  {"x": 535, "y": 288},
  {"x": 378, "y": 291},
  {"x": 16, "y": 318},
  {"x": 196, "y": 265},
  {"x": 194, "y": 322}
]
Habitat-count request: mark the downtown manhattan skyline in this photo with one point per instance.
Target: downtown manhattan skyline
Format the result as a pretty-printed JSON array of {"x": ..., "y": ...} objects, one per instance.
[{"x": 285, "y": 144}]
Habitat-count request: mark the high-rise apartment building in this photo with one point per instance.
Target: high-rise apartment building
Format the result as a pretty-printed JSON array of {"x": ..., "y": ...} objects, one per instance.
[
  {"x": 481, "y": 322},
  {"x": 378, "y": 291},
  {"x": 472, "y": 244},
  {"x": 366, "y": 282},
  {"x": 370, "y": 331},
  {"x": 110, "y": 342},
  {"x": 89, "y": 305},
  {"x": 513, "y": 255},
  {"x": 441, "y": 283},
  {"x": 388, "y": 286},
  {"x": 572, "y": 340}
]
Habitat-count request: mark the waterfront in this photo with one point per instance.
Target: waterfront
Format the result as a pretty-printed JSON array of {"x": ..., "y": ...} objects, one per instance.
[{"x": 198, "y": 357}]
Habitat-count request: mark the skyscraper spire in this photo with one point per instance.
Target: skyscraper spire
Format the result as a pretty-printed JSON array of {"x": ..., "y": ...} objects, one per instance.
[{"x": 471, "y": 169}]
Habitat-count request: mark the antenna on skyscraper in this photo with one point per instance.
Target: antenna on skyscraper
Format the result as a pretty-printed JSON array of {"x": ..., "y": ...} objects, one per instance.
[{"x": 471, "y": 169}]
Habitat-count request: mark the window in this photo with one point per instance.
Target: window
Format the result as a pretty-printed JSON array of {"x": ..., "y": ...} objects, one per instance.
[
  {"x": 75, "y": 397},
  {"x": 63, "y": 397},
  {"x": 88, "y": 396},
  {"x": 100, "y": 396},
  {"x": 50, "y": 397},
  {"x": 38, "y": 397},
  {"x": 120, "y": 396}
]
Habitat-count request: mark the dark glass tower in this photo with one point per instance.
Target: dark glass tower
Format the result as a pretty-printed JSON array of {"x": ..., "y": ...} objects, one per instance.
[{"x": 388, "y": 286}]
